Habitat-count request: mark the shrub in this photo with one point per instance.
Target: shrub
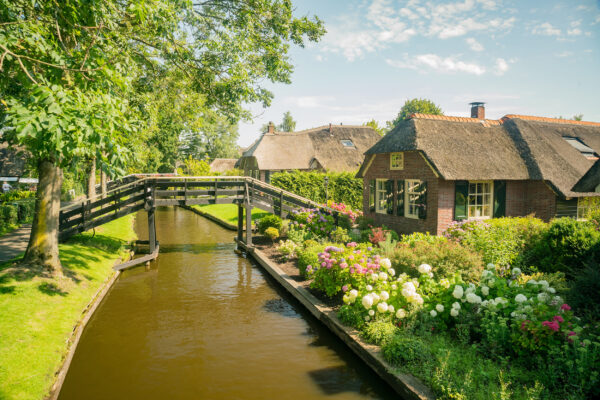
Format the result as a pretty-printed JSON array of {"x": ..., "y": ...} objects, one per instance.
[
  {"x": 9, "y": 213},
  {"x": 584, "y": 295},
  {"x": 402, "y": 350},
  {"x": 379, "y": 332},
  {"x": 446, "y": 258},
  {"x": 379, "y": 234},
  {"x": 364, "y": 222},
  {"x": 421, "y": 237},
  {"x": 309, "y": 255},
  {"x": 339, "y": 235},
  {"x": 272, "y": 233},
  {"x": 350, "y": 316},
  {"x": 501, "y": 241},
  {"x": 287, "y": 249},
  {"x": 565, "y": 246},
  {"x": 269, "y": 221}
]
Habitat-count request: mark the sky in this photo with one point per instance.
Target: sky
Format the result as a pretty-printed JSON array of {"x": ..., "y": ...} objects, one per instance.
[{"x": 519, "y": 57}]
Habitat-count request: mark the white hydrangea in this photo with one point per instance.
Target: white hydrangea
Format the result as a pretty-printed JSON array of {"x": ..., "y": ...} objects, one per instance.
[
  {"x": 485, "y": 290},
  {"x": 400, "y": 313},
  {"x": 491, "y": 266},
  {"x": 369, "y": 288},
  {"x": 458, "y": 292},
  {"x": 486, "y": 274},
  {"x": 520, "y": 298},
  {"x": 433, "y": 313},
  {"x": 544, "y": 284},
  {"x": 445, "y": 283},
  {"x": 394, "y": 287},
  {"x": 382, "y": 307},
  {"x": 391, "y": 271},
  {"x": 532, "y": 282},
  {"x": 439, "y": 308},
  {"x": 383, "y": 276},
  {"x": 371, "y": 313},
  {"x": 386, "y": 263},
  {"x": 454, "y": 312},
  {"x": 384, "y": 295},
  {"x": 367, "y": 302},
  {"x": 367, "y": 318},
  {"x": 470, "y": 289},
  {"x": 456, "y": 305},
  {"x": 473, "y": 298},
  {"x": 551, "y": 290},
  {"x": 424, "y": 268},
  {"x": 374, "y": 277},
  {"x": 375, "y": 298},
  {"x": 543, "y": 297},
  {"x": 353, "y": 293},
  {"x": 391, "y": 308},
  {"x": 516, "y": 271}
]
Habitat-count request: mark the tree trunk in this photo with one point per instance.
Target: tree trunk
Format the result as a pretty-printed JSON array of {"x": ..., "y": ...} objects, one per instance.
[
  {"x": 43, "y": 243},
  {"x": 91, "y": 192},
  {"x": 103, "y": 183}
]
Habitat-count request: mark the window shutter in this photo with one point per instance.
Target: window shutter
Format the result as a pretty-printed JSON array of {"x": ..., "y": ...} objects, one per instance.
[
  {"x": 400, "y": 199},
  {"x": 461, "y": 200},
  {"x": 372, "y": 195},
  {"x": 389, "y": 196},
  {"x": 423, "y": 201},
  {"x": 499, "y": 199}
]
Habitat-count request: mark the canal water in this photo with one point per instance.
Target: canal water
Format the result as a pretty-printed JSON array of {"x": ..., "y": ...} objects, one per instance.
[{"x": 204, "y": 323}]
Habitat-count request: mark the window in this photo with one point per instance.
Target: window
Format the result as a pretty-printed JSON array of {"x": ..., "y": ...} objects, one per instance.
[
  {"x": 384, "y": 196},
  {"x": 397, "y": 161},
  {"x": 585, "y": 205},
  {"x": 580, "y": 146},
  {"x": 347, "y": 143},
  {"x": 480, "y": 199},
  {"x": 414, "y": 198}
]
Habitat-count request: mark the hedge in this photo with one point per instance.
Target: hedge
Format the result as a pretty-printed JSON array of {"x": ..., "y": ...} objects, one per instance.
[
  {"x": 343, "y": 187},
  {"x": 12, "y": 214}
]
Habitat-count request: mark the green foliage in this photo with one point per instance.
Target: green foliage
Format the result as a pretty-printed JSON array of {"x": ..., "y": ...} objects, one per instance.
[
  {"x": 402, "y": 350},
  {"x": 339, "y": 235},
  {"x": 287, "y": 249},
  {"x": 388, "y": 246},
  {"x": 379, "y": 332},
  {"x": 15, "y": 213},
  {"x": 308, "y": 255},
  {"x": 375, "y": 125},
  {"x": 446, "y": 258},
  {"x": 350, "y": 316},
  {"x": 269, "y": 221},
  {"x": 584, "y": 295},
  {"x": 421, "y": 237},
  {"x": 272, "y": 233},
  {"x": 193, "y": 167},
  {"x": 287, "y": 124},
  {"x": 420, "y": 106},
  {"x": 343, "y": 186},
  {"x": 15, "y": 195},
  {"x": 565, "y": 246}
]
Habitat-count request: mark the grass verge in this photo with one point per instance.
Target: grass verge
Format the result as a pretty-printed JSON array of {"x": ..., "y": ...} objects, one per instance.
[
  {"x": 38, "y": 313},
  {"x": 228, "y": 212},
  {"x": 8, "y": 228}
]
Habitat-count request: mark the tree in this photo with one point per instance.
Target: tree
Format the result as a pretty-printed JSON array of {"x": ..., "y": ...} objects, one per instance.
[
  {"x": 66, "y": 70},
  {"x": 216, "y": 138},
  {"x": 287, "y": 124},
  {"x": 578, "y": 117},
  {"x": 422, "y": 106},
  {"x": 375, "y": 125}
]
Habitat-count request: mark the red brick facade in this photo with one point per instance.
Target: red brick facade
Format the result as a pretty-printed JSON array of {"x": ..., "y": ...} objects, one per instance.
[{"x": 522, "y": 197}]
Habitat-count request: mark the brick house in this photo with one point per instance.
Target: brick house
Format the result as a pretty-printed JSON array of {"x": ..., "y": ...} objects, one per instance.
[
  {"x": 432, "y": 170},
  {"x": 338, "y": 148}
]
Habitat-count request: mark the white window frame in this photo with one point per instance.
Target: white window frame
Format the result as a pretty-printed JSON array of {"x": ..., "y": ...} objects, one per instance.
[
  {"x": 399, "y": 164},
  {"x": 351, "y": 146},
  {"x": 380, "y": 196},
  {"x": 583, "y": 208},
  {"x": 490, "y": 203},
  {"x": 408, "y": 185}
]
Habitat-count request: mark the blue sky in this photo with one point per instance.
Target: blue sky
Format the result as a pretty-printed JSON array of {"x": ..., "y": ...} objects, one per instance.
[{"x": 520, "y": 57}]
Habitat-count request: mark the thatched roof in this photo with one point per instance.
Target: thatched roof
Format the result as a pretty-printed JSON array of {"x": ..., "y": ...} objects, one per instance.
[
  {"x": 513, "y": 148},
  {"x": 223, "y": 164},
  {"x": 321, "y": 146},
  {"x": 590, "y": 181},
  {"x": 12, "y": 161}
]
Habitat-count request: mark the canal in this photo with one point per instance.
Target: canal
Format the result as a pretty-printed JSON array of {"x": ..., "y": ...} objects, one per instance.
[{"x": 204, "y": 323}]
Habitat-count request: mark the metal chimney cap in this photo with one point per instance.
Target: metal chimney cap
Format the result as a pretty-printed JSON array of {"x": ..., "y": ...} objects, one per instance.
[{"x": 477, "y": 103}]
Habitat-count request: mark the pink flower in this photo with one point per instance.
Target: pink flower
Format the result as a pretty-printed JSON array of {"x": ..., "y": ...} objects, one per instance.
[
  {"x": 343, "y": 265},
  {"x": 551, "y": 325},
  {"x": 558, "y": 318},
  {"x": 345, "y": 288},
  {"x": 323, "y": 264},
  {"x": 352, "y": 244},
  {"x": 565, "y": 307},
  {"x": 571, "y": 333},
  {"x": 524, "y": 325}
]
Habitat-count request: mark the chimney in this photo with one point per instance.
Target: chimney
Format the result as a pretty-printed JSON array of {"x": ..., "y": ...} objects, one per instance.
[
  {"x": 477, "y": 110},
  {"x": 330, "y": 130},
  {"x": 271, "y": 127}
]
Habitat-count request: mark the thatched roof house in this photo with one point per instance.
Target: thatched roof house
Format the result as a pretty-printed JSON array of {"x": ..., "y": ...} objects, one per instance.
[
  {"x": 221, "y": 165},
  {"x": 328, "y": 148},
  {"x": 480, "y": 168}
]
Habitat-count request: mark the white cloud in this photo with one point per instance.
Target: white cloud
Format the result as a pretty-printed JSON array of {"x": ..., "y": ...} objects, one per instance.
[
  {"x": 434, "y": 62},
  {"x": 501, "y": 66},
  {"x": 319, "y": 58},
  {"x": 309, "y": 101},
  {"x": 564, "y": 54},
  {"x": 574, "y": 32},
  {"x": 546, "y": 29},
  {"x": 575, "y": 24},
  {"x": 474, "y": 44}
]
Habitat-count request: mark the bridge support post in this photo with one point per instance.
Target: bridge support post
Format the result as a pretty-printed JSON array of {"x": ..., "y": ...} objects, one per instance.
[
  {"x": 151, "y": 230},
  {"x": 240, "y": 232},
  {"x": 248, "y": 224}
]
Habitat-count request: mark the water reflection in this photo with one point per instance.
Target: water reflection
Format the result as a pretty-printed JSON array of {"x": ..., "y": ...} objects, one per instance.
[{"x": 204, "y": 323}]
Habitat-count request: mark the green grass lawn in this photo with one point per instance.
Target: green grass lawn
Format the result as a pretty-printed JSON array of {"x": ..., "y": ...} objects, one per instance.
[
  {"x": 38, "y": 313},
  {"x": 228, "y": 212}
]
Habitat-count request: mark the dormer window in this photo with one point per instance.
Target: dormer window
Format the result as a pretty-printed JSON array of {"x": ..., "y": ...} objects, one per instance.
[
  {"x": 348, "y": 143},
  {"x": 581, "y": 147}
]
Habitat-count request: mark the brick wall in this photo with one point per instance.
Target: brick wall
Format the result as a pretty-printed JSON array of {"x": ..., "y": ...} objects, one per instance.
[
  {"x": 415, "y": 167},
  {"x": 516, "y": 196},
  {"x": 540, "y": 200},
  {"x": 445, "y": 205}
]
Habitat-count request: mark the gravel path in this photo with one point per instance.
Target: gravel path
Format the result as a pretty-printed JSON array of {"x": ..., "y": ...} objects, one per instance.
[{"x": 14, "y": 243}]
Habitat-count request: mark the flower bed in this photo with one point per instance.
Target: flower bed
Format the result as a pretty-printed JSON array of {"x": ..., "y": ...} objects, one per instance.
[{"x": 495, "y": 324}]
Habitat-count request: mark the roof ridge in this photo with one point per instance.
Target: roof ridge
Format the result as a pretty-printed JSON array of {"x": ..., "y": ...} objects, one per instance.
[
  {"x": 454, "y": 119},
  {"x": 317, "y": 128},
  {"x": 550, "y": 120}
]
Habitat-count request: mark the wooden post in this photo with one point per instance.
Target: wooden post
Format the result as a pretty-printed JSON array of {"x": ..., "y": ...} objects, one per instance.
[
  {"x": 151, "y": 230},
  {"x": 248, "y": 224},
  {"x": 240, "y": 233},
  {"x": 216, "y": 188},
  {"x": 281, "y": 205}
]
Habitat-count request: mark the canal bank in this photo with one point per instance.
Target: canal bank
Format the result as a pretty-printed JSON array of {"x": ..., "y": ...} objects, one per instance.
[{"x": 202, "y": 322}]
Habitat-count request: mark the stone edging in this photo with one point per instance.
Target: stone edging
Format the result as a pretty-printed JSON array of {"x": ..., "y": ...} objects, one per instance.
[
  {"x": 78, "y": 331},
  {"x": 214, "y": 219},
  {"x": 405, "y": 385}
]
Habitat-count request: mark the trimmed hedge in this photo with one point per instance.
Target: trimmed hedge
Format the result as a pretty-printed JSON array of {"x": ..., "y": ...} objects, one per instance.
[
  {"x": 343, "y": 187},
  {"x": 12, "y": 214}
]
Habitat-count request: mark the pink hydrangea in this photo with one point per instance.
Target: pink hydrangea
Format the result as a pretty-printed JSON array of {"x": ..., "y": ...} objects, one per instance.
[
  {"x": 565, "y": 307},
  {"x": 551, "y": 325},
  {"x": 558, "y": 318}
]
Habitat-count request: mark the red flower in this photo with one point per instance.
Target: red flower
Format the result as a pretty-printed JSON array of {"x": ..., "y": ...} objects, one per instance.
[
  {"x": 565, "y": 307},
  {"x": 558, "y": 318}
]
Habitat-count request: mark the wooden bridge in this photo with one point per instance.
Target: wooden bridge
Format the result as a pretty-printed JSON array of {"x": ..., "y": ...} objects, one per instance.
[{"x": 137, "y": 192}]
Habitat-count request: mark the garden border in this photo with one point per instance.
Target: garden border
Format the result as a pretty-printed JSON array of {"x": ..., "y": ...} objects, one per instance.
[{"x": 405, "y": 385}]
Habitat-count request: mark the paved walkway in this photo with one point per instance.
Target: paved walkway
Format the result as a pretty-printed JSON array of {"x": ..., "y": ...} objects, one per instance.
[{"x": 14, "y": 243}]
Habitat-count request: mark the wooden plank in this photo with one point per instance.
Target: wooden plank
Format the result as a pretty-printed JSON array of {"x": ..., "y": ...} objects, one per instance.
[
  {"x": 189, "y": 202},
  {"x": 183, "y": 193},
  {"x": 64, "y": 234},
  {"x": 116, "y": 206},
  {"x": 138, "y": 261}
]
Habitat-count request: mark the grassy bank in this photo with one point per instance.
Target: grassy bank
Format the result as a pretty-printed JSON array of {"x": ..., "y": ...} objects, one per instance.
[
  {"x": 38, "y": 313},
  {"x": 228, "y": 212}
]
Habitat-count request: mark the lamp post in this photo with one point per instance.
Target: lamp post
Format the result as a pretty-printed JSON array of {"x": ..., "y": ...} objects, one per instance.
[{"x": 326, "y": 191}]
